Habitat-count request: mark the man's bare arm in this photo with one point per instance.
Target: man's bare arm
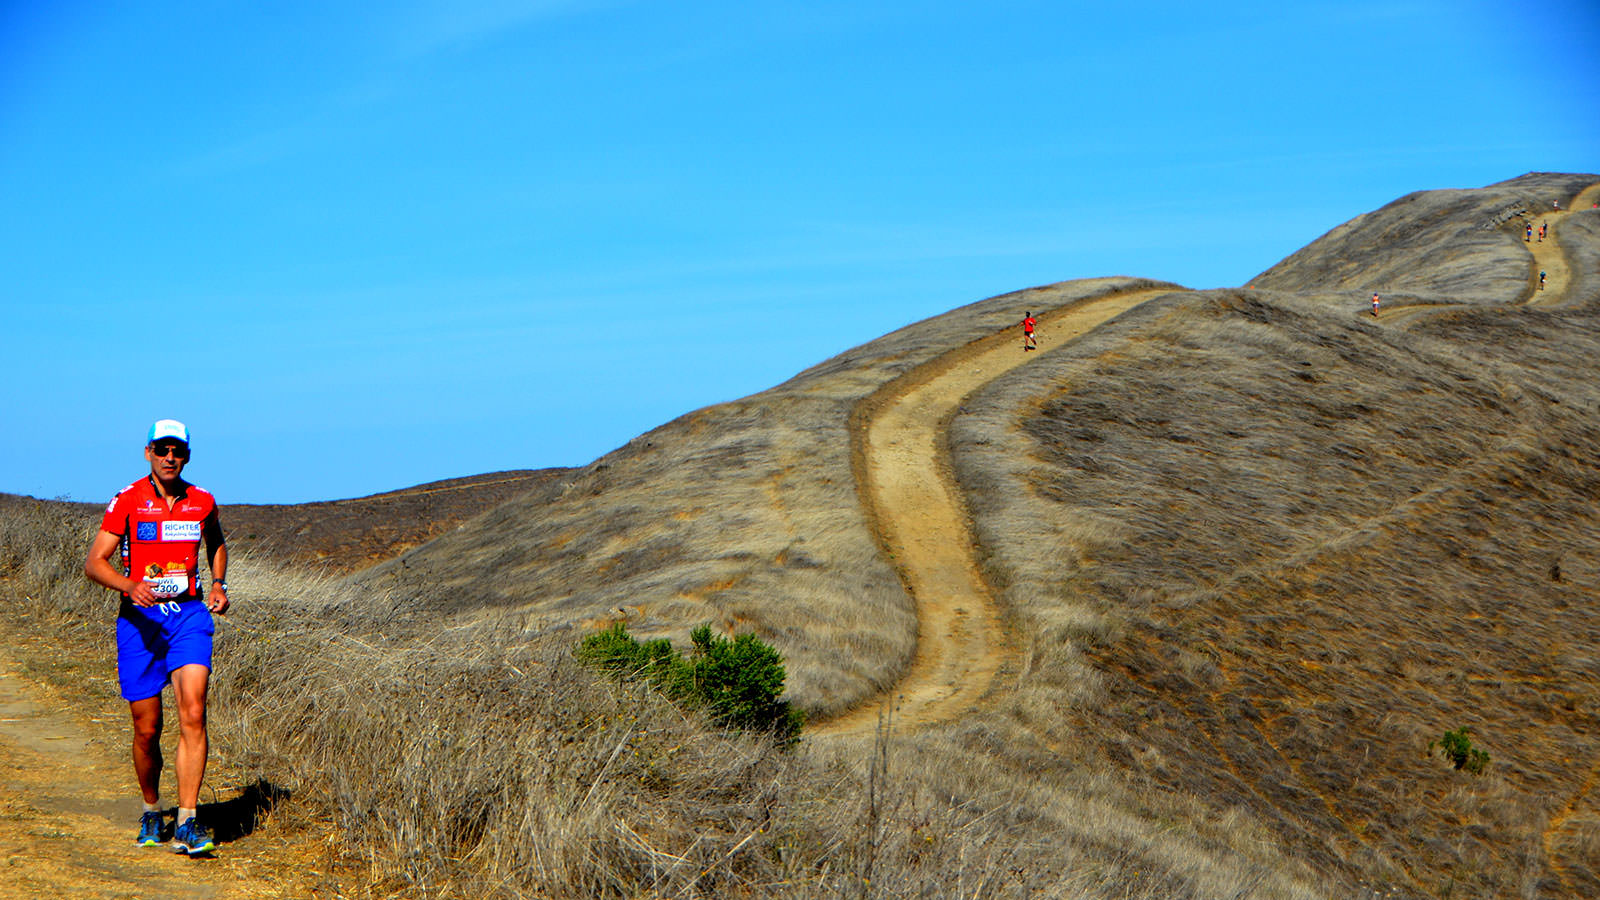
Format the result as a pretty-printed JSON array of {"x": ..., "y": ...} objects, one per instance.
[
  {"x": 100, "y": 571},
  {"x": 217, "y": 559}
]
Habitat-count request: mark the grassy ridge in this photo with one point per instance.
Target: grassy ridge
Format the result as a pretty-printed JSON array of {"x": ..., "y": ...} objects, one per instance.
[
  {"x": 1464, "y": 246},
  {"x": 743, "y": 514}
]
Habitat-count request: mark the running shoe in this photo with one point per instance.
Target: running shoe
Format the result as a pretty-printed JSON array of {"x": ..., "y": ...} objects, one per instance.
[
  {"x": 149, "y": 829},
  {"x": 192, "y": 838}
]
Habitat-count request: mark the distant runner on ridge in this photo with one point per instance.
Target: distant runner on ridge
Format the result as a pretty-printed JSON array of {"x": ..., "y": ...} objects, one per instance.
[
  {"x": 1374, "y": 304},
  {"x": 1029, "y": 342},
  {"x": 164, "y": 627}
]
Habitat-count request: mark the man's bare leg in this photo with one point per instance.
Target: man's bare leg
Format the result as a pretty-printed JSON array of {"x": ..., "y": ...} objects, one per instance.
[
  {"x": 190, "y": 683},
  {"x": 147, "y": 746}
]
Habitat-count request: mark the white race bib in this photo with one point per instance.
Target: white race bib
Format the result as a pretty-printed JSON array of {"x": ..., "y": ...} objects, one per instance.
[{"x": 168, "y": 585}]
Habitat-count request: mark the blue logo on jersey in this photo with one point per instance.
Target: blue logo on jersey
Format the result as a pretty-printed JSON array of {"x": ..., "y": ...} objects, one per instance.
[{"x": 148, "y": 531}]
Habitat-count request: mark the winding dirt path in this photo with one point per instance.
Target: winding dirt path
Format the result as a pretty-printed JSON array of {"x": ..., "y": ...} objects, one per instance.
[
  {"x": 916, "y": 507},
  {"x": 1548, "y": 255}
]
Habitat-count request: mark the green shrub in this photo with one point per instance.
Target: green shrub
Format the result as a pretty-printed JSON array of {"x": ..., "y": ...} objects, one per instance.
[
  {"x": 619, "y": 653},
  {"x": 737, "y": 682},
  {"x": 1457, "y": 747}
]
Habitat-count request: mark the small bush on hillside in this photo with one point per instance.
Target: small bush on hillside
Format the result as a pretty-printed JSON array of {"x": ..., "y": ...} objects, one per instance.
[
  {"x": 737, "y": 682},
  {"x": 1457, "y": 747}
]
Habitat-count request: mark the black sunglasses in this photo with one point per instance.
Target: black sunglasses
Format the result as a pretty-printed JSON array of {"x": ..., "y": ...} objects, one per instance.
[{"x": 181, "y": 451}]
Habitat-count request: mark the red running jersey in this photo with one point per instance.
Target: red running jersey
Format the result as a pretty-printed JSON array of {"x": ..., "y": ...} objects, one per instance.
[
  {"x": 161, "y": 545},
  {"x": 1027, "y": 325}
]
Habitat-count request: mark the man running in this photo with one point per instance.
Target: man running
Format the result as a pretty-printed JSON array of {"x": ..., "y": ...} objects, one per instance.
[
  {"x": 1541, "y": 279},
  {"x": 164, "y": 627},
  {"x": 1028, "y": 340},
  {"x": 1374, "y": 304}
]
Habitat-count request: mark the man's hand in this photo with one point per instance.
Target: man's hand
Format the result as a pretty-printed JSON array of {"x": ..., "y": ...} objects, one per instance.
[
  {"x": 217, "y": 599},
  {"x": 141, "y": 594}
]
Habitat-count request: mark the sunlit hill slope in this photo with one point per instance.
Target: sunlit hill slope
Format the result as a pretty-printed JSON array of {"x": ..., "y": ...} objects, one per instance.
[{"x": 1254, "y": 546}]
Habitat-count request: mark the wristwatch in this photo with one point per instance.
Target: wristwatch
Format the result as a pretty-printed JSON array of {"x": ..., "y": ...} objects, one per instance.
[{"x": 221, "y": 583}]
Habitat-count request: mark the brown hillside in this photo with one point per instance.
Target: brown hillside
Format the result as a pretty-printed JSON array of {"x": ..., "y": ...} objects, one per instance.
[
  {"x": 347, "y": 535},
  {"x": 745, "y": 515},
  {"x": 1254, "y": 549}
]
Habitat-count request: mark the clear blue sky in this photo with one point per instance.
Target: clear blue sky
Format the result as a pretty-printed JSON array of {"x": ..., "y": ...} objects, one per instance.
[{"x": 361, "y": 246}]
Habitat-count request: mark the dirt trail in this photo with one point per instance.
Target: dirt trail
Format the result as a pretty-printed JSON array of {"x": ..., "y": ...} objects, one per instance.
[
  {"x": 1396, "y": 315},
  {"x": 922, "y": 521},
  {"x": 1548, "y": 257},
  {"x": 69, "y": 807}
]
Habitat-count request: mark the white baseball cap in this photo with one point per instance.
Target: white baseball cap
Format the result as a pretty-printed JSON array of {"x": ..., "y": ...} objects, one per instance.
[{"x": 168, "y": 429}]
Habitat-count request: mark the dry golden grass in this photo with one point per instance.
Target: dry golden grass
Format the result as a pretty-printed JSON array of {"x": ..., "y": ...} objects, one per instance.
[{"x": 477, "y": 763}]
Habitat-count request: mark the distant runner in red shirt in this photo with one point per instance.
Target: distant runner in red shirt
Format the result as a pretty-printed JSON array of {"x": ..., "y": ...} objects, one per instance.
[
  {"x": 1028, "y": 340},
  {"x": 164, "y": 627},
  {"x": 1374, "y": 304}
]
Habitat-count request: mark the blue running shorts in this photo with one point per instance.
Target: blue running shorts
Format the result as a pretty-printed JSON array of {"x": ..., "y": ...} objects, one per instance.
[{"x": 153, "y": 641}]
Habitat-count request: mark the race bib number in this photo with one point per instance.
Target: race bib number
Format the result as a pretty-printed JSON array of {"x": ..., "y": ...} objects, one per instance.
[{"x": 168, "y": 585}]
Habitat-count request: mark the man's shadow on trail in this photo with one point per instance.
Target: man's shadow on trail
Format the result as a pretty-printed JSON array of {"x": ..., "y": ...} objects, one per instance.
[{"x": 231, "y": 820}]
